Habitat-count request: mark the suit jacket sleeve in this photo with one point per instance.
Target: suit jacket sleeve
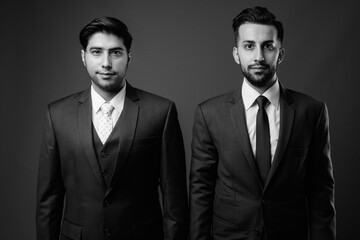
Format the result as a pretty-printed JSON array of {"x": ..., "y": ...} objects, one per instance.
[
  {"x": 203, "y": 175},
  {"x": 321, "y": 183},
  {"x": 173, "y": 179},
  {"x": 50, "y": 187}
]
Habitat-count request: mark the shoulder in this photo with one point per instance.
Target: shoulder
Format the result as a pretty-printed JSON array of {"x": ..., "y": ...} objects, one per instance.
[
  {"x": 301, "y": 99},
  {"x": 70, "y": 100},
  {"x": 151, "y": 98},
  {"x": 217, "y": 105},
  {"x": 218, "y": 100},
  {"x": 306, "y": 106},
  {"x": 151, "y": 103}
]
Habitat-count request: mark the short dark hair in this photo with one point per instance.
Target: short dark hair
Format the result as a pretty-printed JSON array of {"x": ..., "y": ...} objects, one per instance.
[
  {"x": 107, "y": 25},
  {"x": 258, "y": 15}
]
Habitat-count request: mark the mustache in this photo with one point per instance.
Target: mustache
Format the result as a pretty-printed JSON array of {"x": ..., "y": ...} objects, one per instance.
[{"x": 258, "y": 65}]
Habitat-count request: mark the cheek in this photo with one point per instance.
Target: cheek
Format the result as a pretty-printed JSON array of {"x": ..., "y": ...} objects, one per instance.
[
  {"x": 272, "y": 58},
  {"x": 90, "y": 66},
  {"x": 244, "y": 60},
  {"x": 90, "y": 62},
  {"x": 245, "y": 57},
  {"x": 121, "y": 64}
]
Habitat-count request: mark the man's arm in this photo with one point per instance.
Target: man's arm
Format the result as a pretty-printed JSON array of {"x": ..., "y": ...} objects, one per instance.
[
  {"x": 173, "y": 179},
  {"x": 321, "y": 183},
  {"x": 50, "y": 187},
  {"x": 203, "y": 175}
]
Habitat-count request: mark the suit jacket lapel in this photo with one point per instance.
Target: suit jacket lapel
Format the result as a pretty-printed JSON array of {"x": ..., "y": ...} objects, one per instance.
[
  {"x": 239, "y": 120},
  {"x": 128, "y": 123},
  {"x": 286, "y": 123},
  {"x": 85, "y": 133}
]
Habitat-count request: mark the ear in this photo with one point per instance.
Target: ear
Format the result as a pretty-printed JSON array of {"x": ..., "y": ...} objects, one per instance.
[
  {"x": 281, "y": 55},
  {"x": 236, "y": 55},
  {"x": 83, "y": 57},
  {"x": 129, "y": 57}
]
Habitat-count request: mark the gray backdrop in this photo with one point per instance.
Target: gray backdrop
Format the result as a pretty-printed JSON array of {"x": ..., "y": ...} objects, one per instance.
[{"x": 182, "y": 51}]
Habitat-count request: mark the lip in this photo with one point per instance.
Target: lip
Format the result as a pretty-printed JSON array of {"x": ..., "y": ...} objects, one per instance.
[
  {"x": 107, "y": 73},
  {"x": 258, "y": 67}
]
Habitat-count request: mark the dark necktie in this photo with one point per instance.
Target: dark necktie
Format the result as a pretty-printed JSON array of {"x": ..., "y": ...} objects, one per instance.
[{"x": 263, "y": 154}]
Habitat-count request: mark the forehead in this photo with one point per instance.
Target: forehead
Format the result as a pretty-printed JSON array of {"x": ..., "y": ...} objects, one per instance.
[
  {"x": 257, "y": 32},
  {"x": 105, "y": 40}
]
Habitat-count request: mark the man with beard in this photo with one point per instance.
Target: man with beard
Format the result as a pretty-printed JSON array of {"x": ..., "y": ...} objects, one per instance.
[
  {"x": 261, "y": 166},
  {"x": 106, "y": 150}
]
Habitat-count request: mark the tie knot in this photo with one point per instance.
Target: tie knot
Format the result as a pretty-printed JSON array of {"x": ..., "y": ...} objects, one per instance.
[
  {"x": 261, "y": 101},
  {"x": 107, "y": 109}
]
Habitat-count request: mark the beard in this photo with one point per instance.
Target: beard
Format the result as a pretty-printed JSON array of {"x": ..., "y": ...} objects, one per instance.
[{"x": 259, "y": 77}]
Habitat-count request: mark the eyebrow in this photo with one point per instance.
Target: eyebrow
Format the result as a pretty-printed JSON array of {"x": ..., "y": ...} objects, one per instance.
[
  {"x": 111, "y": 49},
  {"x": 269, "y": 41},
  {"x": 248, "y": 41},
  {"x": 251, "y": 41}
]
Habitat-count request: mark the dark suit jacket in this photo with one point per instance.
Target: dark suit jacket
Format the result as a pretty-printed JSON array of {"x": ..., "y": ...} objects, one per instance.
[
  {"x": 227, "y": 198},
  {"x": 150, "y": 153}
]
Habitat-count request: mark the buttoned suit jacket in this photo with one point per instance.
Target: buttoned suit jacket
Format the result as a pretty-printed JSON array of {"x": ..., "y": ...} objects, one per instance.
[
  {"x": 227, "y": 197},
  {"x": 73, "y": 201}
]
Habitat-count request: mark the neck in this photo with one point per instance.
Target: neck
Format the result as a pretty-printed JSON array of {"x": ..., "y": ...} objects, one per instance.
[{"x": 107, "y": 95}]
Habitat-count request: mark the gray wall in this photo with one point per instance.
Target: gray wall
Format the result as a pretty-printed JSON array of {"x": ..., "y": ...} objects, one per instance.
[{"x": 182, "y": 50}]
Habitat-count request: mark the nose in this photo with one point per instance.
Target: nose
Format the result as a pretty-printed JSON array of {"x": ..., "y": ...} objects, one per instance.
[
  {"x": 259, "y": 57},
  {"x": 106, "y": 63}
]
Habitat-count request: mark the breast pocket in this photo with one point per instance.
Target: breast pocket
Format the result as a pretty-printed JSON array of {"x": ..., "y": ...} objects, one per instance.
[
  {"x": 295, "y": 160},
  {"x": 145, "y": 142},
  {"x": 296, "y": 154}
]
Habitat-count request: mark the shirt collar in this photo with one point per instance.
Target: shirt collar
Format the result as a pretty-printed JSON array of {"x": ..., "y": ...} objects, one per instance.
[
  {"x": 249, "y": 94},
  {"x": 117, "y": 101}
]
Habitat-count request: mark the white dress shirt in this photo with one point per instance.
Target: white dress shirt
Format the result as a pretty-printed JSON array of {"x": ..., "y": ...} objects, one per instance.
[
  {"x": 117, "y": 102},
  {"x": 249, "y": 96}
]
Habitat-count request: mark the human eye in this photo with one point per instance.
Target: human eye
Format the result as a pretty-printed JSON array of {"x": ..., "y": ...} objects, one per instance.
[
  {"x": 269, "y": 46},
  {"x": 95, "y": 52},
  {"x": 248, "y": 46},
  {"x": 116, "y": 53}
]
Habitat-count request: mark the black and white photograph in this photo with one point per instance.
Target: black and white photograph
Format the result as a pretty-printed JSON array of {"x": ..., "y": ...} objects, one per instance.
[{"x": 179, "y": 120}]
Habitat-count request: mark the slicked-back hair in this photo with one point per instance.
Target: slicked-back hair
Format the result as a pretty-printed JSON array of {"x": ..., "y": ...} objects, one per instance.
[
  {"x": 259, "y": 15},
  {"x": 108, "y": 25}
]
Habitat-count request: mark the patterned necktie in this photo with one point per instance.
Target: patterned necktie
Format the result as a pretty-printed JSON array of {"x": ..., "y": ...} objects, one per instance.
[
  {"x": 263, "y": 152},
  {"x": 105, "y": 123}
]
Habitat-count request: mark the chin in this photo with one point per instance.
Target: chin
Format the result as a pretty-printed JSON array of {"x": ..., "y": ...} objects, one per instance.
[
  {"x": 261, "y": 80},
  {"x": 110, "y": 88}
]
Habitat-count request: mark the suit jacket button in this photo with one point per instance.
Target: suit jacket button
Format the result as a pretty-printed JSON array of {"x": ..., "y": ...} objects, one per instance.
[
  {"x": 107, "y": 232},
  {"x": 103, "y": 155},
  {"x": 107, "y": 203}
]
